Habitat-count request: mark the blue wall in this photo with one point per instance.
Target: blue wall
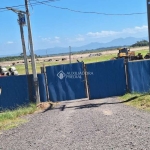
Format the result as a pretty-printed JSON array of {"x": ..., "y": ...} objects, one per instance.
[
  {"x": 42, "y": 88},
  {"x": 139, "y": 76},
  {"x": 108, "y": 79},
  {"x": 65, "y": 88},
  {"x": 14, "y": 91}
]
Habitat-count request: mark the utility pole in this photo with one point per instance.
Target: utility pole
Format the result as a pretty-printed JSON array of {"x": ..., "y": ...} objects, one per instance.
[
  {"x": 148, "y": 19},
  {"x": 70, "y": 54},
  {"x": 36, "y": 84},
  {"x": 23, "y": 43},
  {"x": 21, "y": 21}
]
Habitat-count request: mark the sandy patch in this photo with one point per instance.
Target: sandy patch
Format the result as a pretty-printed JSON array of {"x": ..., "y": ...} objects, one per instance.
[{"x": 107, "y": 112}]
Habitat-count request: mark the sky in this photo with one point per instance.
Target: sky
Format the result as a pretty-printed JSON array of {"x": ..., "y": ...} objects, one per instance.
[{"x": 56, "y": 27}]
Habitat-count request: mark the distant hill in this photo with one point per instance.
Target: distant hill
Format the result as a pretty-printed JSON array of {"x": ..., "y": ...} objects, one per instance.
[
  {"x": 95, "y": 45},
  {"x": 91, "y": 46}
]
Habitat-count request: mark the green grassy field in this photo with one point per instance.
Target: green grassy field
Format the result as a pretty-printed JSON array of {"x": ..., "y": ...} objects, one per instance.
[{"x": 21, "y": 68}]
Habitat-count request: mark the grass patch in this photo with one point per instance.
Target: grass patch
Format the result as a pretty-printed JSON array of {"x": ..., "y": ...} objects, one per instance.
[
  {"x": 140, "y": 101},
  {"x": 10, "y": 119}
]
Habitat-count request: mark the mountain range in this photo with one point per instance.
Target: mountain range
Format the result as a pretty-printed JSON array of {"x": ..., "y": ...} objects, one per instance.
[
  {"x": 91, "y": 46},
  {"x": 95, "y": 45}
]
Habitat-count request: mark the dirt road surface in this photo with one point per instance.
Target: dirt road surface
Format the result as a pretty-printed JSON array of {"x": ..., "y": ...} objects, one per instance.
[{"x": 104, "y": 124}]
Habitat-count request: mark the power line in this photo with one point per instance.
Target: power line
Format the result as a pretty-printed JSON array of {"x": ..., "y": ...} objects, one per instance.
[
  {"x": 22, "y": 6},
  {"x": 11, "y": 6},
  {"x": 86, "y": 12},
  {"x": 31, "y": 5},
  {"x": 77, "y": 11}
]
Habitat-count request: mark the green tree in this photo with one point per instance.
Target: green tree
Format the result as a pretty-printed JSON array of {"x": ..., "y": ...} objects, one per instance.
[{"x": 140, "y": 43}]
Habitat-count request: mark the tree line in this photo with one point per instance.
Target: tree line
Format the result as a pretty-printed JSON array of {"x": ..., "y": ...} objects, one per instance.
[{"x": 140, "y": 43}]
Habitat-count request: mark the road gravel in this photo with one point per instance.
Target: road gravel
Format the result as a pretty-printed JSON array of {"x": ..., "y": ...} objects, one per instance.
[{"x": 104, "y": 124}]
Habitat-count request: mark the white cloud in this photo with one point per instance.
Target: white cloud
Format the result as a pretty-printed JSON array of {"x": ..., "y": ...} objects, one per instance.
[
  {"x": 51, "y": 40},
  {"x": 46, "y": 39},
  {"x": 127, "y": 31},
  {"x": 80, "y": 39},
  {"x": 57, "y": 38},
  {"x": 101, "y": 34},
  {"x": 135, "y": 29},
  {"x": 10, "y": 42}
]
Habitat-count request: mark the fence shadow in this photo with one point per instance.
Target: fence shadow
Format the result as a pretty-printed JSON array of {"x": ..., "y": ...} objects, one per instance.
[
  {"x": 100, "y": 104},
  {"x": 91, "y": 105}
]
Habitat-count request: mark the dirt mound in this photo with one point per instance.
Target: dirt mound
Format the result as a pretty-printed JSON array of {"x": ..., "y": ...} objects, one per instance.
[{"x": 46, "y": 105}]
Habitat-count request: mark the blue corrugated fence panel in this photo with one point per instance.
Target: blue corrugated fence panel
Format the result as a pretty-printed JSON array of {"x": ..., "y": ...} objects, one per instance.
[
  {"x": 108, "y": 79},
  {"x": 32, "y": 94},
  {"x": 14, "y": 91},
  {"x": 42, "y": 87},
  {"x": 63, "y": 84},
  {"x": 139, "y": 76}
]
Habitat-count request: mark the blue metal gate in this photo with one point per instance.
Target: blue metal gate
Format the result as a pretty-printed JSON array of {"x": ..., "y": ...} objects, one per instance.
[
  {"x": 66, "y": 82},
  {"x": 139, "y": 76},
  {"x": 106, "y": 79}
]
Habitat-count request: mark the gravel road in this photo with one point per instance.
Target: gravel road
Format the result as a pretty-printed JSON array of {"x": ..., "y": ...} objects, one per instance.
[{"x": 102, "y": 124}]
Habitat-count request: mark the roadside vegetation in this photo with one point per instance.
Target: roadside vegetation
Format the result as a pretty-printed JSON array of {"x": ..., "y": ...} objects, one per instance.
[
  {"x": 140, "y": 101},
  {"x": 12, "y": 118}
]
